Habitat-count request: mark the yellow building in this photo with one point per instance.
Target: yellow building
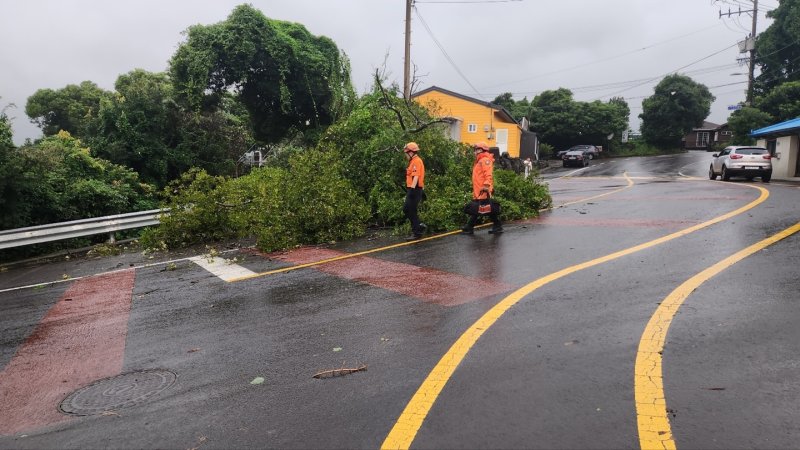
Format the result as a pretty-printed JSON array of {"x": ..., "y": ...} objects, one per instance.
[{"x": 472, "y": 120}]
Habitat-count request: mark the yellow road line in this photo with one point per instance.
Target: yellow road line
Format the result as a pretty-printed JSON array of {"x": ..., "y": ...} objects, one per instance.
[
  {"x": 651, "y": 407},
  {"x": 339, "y": 258},
  {"x": 403, "y": 244},
  {"x": 405, "y": 429}
]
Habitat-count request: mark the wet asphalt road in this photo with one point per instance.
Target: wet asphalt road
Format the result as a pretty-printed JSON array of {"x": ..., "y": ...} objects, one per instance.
[{"x": 555, "y": 369}]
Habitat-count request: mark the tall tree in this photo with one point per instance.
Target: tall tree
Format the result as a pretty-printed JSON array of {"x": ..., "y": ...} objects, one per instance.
[
  {"x": 777, "y": 51},
  {"x": 677, "y": 105},
  {"x": 562, "y": 122},
  {"x": 137, "y": 126},
  {"x": 288, "y": 79},
  {"x": 782, "y": 102},
  {"x": 10, "y": 182},
  {"x": 554, "y": 115},
  {"x": 72, "y": 108},
  {"x": 745, "y": 120}
]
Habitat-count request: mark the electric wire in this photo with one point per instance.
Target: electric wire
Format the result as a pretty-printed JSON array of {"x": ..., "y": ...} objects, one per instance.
[
  {"x": 579, "y": 66},
  {"x": 444, "y": 52},
  {"x": 650, "y": 80}
]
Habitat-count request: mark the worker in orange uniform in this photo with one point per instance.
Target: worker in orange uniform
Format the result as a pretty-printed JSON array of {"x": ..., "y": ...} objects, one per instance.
[
  {"x": 483, "y": 188},
  {"x": 415, "y": 185}
]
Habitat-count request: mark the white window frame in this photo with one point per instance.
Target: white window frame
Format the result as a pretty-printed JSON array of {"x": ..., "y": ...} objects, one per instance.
[
  {"x": 472, "y": 128},
  {"x": 703, "y": 138}
]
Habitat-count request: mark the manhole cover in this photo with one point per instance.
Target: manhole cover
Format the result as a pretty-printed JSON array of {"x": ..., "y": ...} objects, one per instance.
[{"x": 117, "y": 392}]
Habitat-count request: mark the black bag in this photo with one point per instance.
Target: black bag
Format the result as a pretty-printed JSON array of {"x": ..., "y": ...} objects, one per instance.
[{"x": 482, "y": 207}]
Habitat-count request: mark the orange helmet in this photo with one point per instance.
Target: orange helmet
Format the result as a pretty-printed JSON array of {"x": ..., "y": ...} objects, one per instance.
[
  {"x": 411, "y": 147},
  {"x": 483, "y": 146}
]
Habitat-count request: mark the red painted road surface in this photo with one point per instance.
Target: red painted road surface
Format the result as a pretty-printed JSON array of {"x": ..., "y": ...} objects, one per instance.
[
  {"x": 428, "y": 285},
  {"x": 80, "y": 340}
]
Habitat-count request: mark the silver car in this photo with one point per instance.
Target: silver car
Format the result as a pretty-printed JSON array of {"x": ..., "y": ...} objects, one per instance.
[{"x": 741, "y": 161}]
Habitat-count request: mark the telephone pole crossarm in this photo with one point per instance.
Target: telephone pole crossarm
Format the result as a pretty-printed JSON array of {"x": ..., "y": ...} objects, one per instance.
[{"x": 751, "y": 69}]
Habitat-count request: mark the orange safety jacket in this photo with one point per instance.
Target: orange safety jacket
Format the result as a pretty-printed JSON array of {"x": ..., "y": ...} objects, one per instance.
[
  {"x": 415, "y": 169},
  {"x": 482, "y": 175}
]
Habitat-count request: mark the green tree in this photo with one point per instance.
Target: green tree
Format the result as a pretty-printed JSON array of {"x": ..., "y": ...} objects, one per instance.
[
  {"x": 60, "y": 181},
  {"x": 11, "y": 188},
  {"x": 778, "y": 55},
  {"x": 554, "y": 115},
  {"x": 370, "y": 142},
  {"x": 137, "y": 126},
  {"x": 782, "y": 102},
  {"x": 289, "y": 80},
  {"x": 517, "y": 108},
  {"x": 600, "y": 120},
  {"x": 745, "y": 120},
  {"x": 142, "y": 127},
  {"x": 562, "y": 121},
  {"x": 677, "y": 105},
  {"x": 212, "y": 140},
  {"x": 72, "y": 109}
]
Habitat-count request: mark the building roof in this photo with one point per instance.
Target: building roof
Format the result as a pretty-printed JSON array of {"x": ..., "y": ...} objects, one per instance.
[
  {"x": 778, "y": 128},
  {"x": 709, "y": 126},
  {"x": 501, "y": 110}
]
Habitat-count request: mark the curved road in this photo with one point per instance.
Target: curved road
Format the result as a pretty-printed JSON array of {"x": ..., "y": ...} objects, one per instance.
[{"x": 650, "y": 308}]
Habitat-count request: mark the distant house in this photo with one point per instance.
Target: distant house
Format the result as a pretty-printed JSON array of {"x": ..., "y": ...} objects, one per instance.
[
  {"x": 783, "y": 141},
  {"x": 707, "y": 136},
  {"x": 472, "y": 120}
]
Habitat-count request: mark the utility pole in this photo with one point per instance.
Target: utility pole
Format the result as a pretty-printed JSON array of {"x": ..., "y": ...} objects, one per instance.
[
  {"x": 750, "y": 78},
  {"x": 407, "y": 61},
  {"x": 751, "y": 43}
]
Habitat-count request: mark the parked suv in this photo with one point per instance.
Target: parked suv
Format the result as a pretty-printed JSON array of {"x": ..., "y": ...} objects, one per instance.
[{"x": 741, "y": 161}]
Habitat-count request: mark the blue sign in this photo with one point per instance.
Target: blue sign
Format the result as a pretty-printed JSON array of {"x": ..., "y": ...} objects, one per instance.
[{"x": 732, "y": 107}]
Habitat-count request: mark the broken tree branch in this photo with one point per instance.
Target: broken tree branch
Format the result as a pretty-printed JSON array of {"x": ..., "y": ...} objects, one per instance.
[{"x": 339, "y": 372}]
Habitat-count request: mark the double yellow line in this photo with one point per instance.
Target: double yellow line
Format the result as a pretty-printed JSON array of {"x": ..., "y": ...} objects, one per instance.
[{"x": 408, "y": 424}]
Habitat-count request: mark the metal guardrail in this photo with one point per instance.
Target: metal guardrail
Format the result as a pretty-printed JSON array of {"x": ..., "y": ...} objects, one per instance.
[{"x": 79, "y": 228}]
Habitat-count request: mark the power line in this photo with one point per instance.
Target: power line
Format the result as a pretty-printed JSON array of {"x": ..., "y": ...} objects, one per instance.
[
  {"x": 643, "y": 81},
  {"x": 604, "y": 59},
  {"x": 628, "y": 83},
  {"x": 444, "y": 52},
  {"x": 650, "y": 80}
]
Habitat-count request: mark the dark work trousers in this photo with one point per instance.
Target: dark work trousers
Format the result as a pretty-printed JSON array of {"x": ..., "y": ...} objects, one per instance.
[
  {"x": 473, "y": 220},
  {"x": 413, "y": 197}
]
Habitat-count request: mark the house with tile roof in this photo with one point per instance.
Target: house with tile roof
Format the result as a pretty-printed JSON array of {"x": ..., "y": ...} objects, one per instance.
[
  {"x": 472, "y": 120},
  {"x": 706, "y": 136}
]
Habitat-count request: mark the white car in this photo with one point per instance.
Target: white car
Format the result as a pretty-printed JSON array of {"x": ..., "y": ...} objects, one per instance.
[{"x": 741, "y": 161}]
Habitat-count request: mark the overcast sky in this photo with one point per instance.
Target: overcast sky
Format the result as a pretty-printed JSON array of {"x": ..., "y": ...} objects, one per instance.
[{"x": 480, "y": 48}]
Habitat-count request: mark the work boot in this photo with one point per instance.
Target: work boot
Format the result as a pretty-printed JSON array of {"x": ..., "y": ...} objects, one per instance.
[
  {"x": 422, "y": 229},
  {"x": 467, "y": 230},
  {"x": 413, "y": 237},
  {"x": 496, "y": 230}
]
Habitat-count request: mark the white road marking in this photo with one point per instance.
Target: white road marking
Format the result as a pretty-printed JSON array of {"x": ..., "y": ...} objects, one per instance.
[{"x": 221, "y": 267}]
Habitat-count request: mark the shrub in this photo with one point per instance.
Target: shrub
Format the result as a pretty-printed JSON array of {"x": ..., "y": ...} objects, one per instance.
[
  {"x": 521, "y": 198},
  {"x": 321, "y": 205},
  {"x": 313, "y": 205}
]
